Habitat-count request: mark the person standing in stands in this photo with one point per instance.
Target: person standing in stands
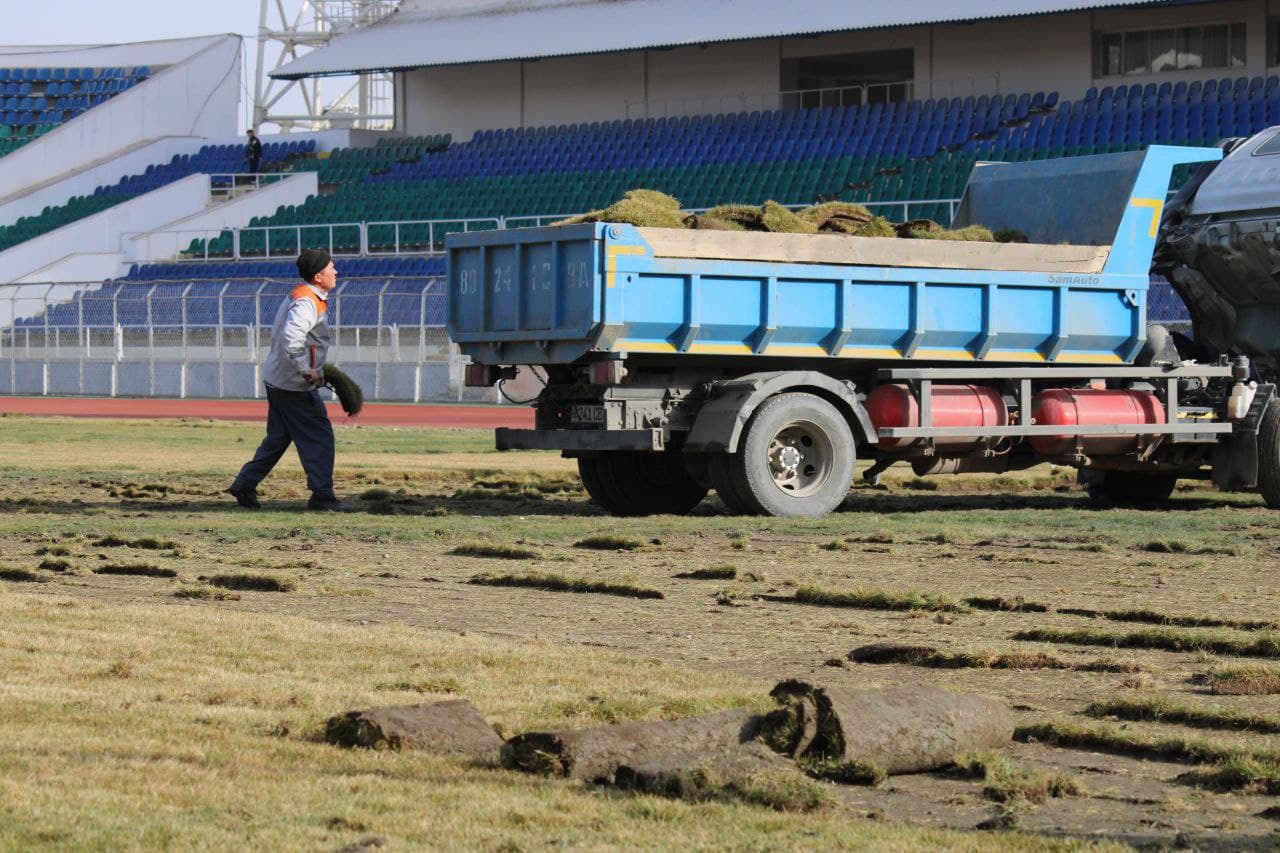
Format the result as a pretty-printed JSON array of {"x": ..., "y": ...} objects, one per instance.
[
  {"x": 253, "y": 153},
  {"x": 294, "y": 372}
]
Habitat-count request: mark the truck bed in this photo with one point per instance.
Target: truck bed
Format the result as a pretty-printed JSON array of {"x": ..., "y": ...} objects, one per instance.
[{"x": 560, "y": 295}]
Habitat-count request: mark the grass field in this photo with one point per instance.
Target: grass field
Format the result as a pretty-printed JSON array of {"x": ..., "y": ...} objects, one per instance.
[{"x": 144, "y": 710}]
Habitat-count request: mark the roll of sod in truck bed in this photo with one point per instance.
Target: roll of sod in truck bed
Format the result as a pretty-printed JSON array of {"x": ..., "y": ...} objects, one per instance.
[
  {"x": 651, "y": 209},
  {"x": 594, "y": 755},
  {"x": 898, "y": 729}
]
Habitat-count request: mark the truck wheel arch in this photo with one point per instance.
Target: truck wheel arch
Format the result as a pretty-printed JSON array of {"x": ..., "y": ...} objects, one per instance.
[{"x": 720, "y": 422}]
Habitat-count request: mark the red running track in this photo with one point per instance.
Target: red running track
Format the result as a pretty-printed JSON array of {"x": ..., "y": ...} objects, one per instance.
[{"x": 380, "y": 414}]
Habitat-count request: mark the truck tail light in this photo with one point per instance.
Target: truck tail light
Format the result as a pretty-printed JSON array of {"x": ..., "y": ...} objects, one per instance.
[
  {"x": 609, "y": 372},
  {"x": 480, "y": 375}
]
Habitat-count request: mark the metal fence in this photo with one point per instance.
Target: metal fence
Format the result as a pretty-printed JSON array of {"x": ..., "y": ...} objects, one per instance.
[{"x": 208, "y": 339}]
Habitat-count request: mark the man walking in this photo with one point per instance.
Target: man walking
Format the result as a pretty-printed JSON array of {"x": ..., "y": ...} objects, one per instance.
[
  {"x": 253, "y": 153},
  {"x": 293, "y": 373}
]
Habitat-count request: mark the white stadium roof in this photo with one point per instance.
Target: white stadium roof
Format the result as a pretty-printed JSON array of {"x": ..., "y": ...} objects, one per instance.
[{"x": 414, "y": 38}]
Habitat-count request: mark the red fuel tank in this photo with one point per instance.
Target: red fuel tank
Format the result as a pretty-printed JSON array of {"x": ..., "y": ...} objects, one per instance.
[
  {"x": 953, "y": 406},
  {"x": 1091, "y": 407}
]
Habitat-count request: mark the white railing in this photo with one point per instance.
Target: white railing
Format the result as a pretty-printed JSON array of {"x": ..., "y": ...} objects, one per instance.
[
  {"x": 795, "y": 99},
  {"x": 846, "y": 96},
  {"x": 534, "y": 221},
  {"x": 790, "y": 99},
  {"x": 893, "y": 206},
  {"x": 226, "y": 185},
  {"x": 412, "y": 236},
  {"x": 268, "y": 242},
  {"x": 341, "y": 239},
  {"x": 905, "y": 206},
  {"x": 388, "y": 238}
]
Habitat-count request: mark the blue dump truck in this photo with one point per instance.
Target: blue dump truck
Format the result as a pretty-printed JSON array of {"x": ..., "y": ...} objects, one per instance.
[{"x": 763, "y": 366}]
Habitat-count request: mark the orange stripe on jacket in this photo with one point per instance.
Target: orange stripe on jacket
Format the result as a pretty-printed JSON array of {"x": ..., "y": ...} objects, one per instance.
[{"x": 303, "y": 291}]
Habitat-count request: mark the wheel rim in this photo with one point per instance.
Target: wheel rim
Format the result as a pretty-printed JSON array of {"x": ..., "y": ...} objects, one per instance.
[{"x": 801, "y": 458}]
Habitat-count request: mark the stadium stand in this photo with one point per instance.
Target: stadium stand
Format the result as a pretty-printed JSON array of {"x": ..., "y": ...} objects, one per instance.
[
  {"x": 881, "y": 153},
  {"x": 220, "y": 160},
  {"x": 893, "y": 152},
  {"x": 34, "y": 101}
]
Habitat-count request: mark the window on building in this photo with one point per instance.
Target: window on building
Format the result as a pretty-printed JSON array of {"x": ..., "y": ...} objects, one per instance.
[
  {"x": 850, "y": 79},
  {"x": 1176, "y": 49}
]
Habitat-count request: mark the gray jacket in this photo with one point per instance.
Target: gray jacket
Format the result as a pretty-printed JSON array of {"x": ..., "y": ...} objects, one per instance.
[{"x": 299, "y": 339}]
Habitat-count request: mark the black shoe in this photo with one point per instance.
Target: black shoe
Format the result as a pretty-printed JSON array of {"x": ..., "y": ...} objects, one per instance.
[
  {"x": 330, "y": 505},
  {"x": 247, "y": 498}
]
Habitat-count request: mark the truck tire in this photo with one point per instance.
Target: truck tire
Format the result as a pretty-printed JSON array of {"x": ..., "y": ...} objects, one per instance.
[
  {"x": 724, "y": 479},
  {"x": 796, "y": 458},
  {"x": 640, "y": 483},
  {"x": 1269, "y": 455},
  {"x": 1133, "y": 488}
]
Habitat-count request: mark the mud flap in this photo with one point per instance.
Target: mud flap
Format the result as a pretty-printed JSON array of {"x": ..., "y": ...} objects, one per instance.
[{"x": 1235, "y": 458}]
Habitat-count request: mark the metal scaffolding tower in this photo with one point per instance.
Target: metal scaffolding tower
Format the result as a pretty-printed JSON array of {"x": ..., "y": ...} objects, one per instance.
[{"x": 297, "y": 27}]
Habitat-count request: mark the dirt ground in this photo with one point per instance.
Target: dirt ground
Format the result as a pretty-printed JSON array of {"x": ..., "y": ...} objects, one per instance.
[{"x": 1035, "y": 538}]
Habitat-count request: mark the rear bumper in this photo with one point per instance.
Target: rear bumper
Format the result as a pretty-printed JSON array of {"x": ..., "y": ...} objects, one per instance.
[{"x": 579, "y": 439}]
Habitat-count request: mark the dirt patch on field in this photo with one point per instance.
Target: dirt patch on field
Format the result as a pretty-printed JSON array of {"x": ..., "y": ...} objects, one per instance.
[{"x": 1016, "y": 588}]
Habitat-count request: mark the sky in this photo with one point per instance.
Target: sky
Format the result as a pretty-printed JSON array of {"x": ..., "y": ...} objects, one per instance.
[
  {"x": 98, "y": 22},
  {"x": 104, "y": 22}
]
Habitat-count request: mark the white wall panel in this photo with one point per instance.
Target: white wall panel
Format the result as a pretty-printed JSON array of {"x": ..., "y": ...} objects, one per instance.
[
  {"x": 197, "y": 97},
  {"x": 105, "y": 174},
  {"x": 461, "y": 99},
  {"x": 582, "y": 88},
  {"x": 103, "y": 231},
  {"x": 176, "y": 235}
]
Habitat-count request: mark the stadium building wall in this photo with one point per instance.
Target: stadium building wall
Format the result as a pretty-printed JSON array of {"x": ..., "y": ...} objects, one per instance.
[{"x": 1041, "y": 53}]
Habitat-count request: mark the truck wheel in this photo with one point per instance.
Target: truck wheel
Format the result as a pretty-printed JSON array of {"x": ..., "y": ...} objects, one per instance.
[
  {"x": 640, "y": 483},
  {"x": 1269, "y": 455},
  {"x": 1133, "y": 488},
  {"x": 723, "y": 470},
  {"x": 695, "y": 464},
  {"x": 795, "y": 459}
]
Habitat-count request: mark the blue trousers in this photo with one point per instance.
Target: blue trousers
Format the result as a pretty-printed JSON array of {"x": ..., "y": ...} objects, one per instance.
[{"x": 298, "y": 418}]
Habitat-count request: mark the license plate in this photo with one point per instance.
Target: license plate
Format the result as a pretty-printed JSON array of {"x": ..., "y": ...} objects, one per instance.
[{"x": 586, "y": 414}]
